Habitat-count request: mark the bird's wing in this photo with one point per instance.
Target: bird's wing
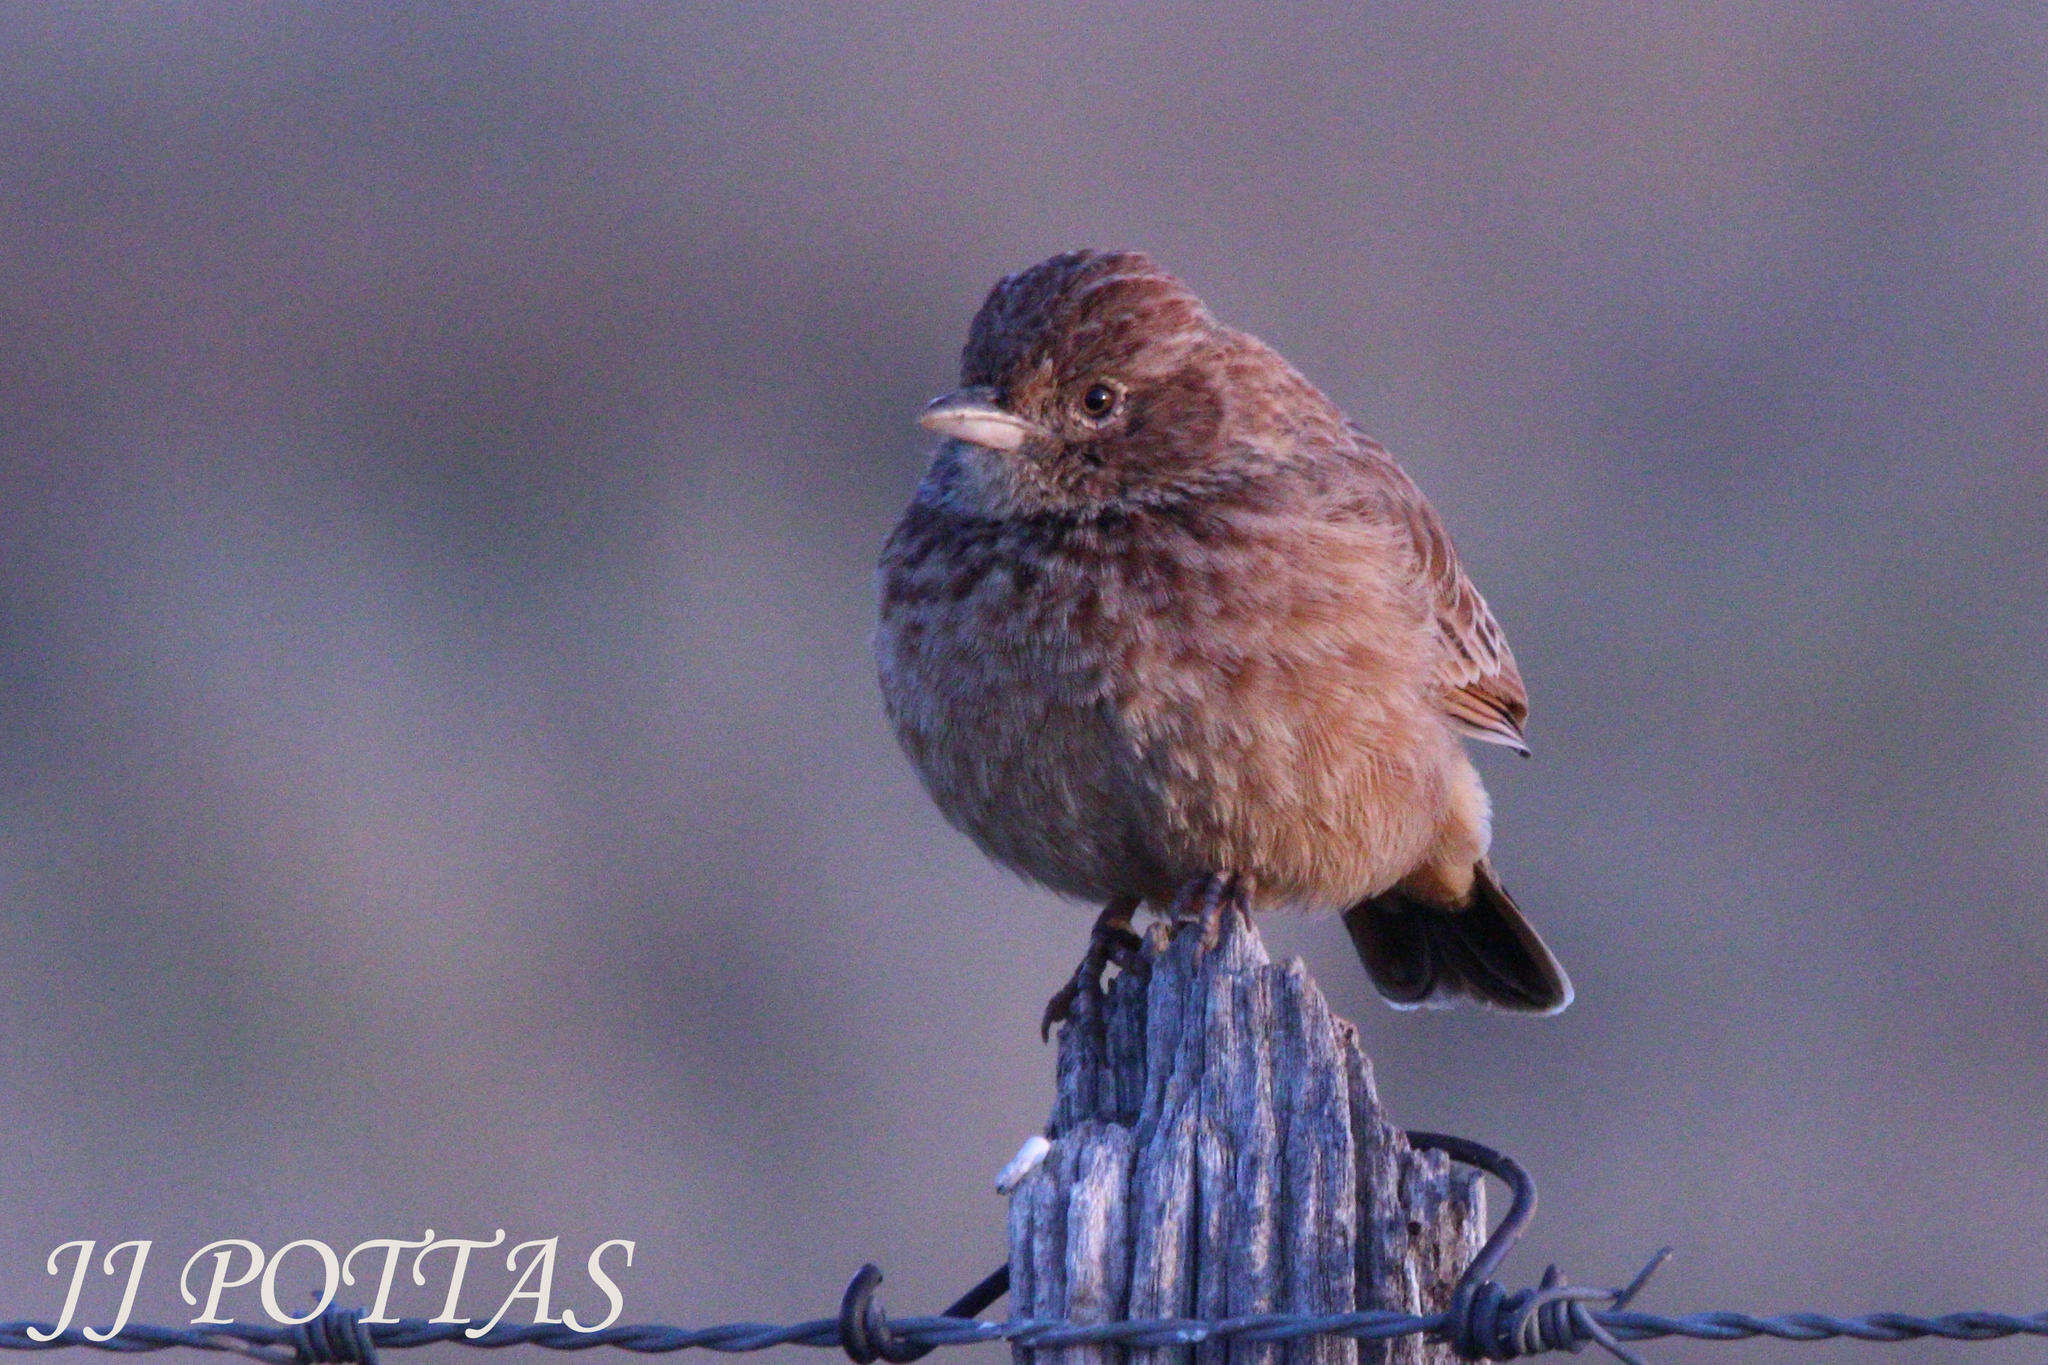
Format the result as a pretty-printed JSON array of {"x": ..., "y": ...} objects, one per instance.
[{"x": 1483, "y": 692}]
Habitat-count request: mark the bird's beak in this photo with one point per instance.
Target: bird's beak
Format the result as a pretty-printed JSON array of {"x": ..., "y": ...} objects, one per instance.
[{"x": 971, "y": 415}]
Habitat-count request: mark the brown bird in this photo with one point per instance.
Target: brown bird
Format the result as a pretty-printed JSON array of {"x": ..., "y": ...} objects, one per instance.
[{"x": 1161, "y": 626}]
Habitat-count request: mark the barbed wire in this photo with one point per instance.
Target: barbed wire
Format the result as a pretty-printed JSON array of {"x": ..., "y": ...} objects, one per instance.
[
  {"x": 1484, "y": 1321},
  {"x": 923, "y": 1334}
]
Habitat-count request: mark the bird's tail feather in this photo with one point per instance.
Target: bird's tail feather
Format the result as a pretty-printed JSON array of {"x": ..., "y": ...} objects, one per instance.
[{"x": 1419, "y": 952}]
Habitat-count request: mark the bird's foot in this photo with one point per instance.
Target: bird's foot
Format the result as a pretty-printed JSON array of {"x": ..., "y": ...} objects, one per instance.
[
  {"x": 1110, "y": 941},
  {"x": 1206, "y": 899}
]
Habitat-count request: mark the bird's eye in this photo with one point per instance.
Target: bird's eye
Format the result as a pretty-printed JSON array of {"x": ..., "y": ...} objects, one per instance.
[{"x": 1099, "y": 401}]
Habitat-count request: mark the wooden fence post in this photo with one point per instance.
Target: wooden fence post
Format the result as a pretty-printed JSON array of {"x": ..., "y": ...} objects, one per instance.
[{"x": 1219, "y": 1149}]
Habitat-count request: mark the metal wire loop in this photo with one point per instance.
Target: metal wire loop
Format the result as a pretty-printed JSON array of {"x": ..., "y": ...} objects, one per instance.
[
  {"x": 1485, "y": 1321},
  {"x": 864, "y": 1328}
]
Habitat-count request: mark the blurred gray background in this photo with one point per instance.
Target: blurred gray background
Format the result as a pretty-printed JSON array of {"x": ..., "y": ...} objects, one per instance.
[{"x": 443, "y": 452}]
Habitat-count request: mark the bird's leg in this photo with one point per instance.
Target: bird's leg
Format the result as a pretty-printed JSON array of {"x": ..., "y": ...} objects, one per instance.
[
  {"x": 1111, "y": 940},
  {"x": 1206, "y": 899}
]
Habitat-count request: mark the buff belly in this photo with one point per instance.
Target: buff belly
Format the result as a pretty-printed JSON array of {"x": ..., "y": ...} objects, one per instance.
[{"x": 1126, "y": 761}]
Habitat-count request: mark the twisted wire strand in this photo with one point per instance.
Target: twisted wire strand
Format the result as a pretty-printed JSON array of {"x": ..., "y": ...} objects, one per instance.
[{"x": 275, "y": 1344}]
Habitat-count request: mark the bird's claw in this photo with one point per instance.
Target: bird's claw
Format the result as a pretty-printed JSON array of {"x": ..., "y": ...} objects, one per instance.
[
  {"x": 1061, "y": 1005},
  {"x": 1207, "y": 899},
  {"x": 1111, "y": 941}
]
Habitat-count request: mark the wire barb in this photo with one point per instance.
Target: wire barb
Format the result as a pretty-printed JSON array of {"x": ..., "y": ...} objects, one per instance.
[{"x": 1485, "y": 1321}]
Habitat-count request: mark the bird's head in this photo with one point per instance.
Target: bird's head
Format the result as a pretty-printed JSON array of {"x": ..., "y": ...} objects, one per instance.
[{"x": 1091, "y": 381}]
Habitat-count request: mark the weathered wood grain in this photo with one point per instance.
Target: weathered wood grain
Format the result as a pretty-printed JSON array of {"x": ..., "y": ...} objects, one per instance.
[{"x": 1219, "y": 1149}]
